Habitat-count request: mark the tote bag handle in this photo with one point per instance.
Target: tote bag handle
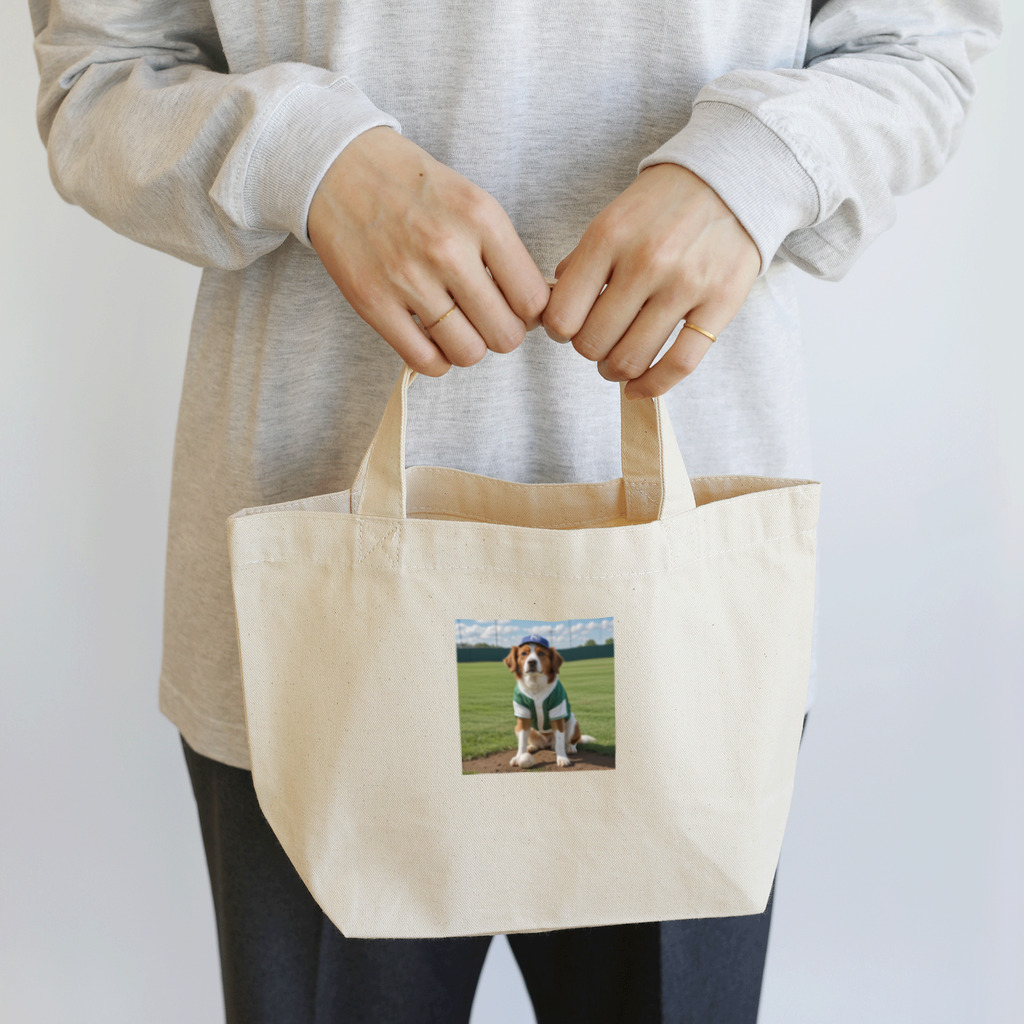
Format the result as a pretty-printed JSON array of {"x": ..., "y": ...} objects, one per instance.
[{"x": 656, "y": 483}]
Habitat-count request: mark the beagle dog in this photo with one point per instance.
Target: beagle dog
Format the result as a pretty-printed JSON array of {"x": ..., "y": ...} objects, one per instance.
[{"x": 540, "y": 703}]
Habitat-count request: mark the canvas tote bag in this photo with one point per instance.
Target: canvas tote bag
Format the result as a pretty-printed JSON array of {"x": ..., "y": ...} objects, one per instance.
[{"x": 346, "y": 606}]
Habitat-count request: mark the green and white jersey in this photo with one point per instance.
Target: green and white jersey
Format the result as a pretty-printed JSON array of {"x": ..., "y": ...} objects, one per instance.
[{"x": 555, "y": 705}]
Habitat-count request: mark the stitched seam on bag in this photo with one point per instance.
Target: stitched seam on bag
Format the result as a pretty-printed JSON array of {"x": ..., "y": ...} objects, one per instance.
[
  {"x": 446, "y": 470},
  {"x": 287, "y": 506},
  {"x": 495, "y": 522},
  {"x": 400, "y": 531},
  {"x": 291, "y": 506},
  {"x": 518, "y": 571},
  {"x": 589, "y": 576},
  {"x": 676, "y": 545},
  {"x": 661, "y": 417},
  {"x": 640, "y": 493},
  {"x": 365, "y": 553}
]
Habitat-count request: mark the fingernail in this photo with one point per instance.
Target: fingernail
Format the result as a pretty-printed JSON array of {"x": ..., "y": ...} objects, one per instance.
[{"x": 603, "y": 370}]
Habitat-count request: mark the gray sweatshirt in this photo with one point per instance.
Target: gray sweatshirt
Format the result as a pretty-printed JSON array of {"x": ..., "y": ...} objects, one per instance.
[{"x": 202, "y": 128}]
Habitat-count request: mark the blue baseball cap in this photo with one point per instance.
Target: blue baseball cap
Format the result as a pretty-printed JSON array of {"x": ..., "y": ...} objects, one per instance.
[{"x": 533, "y": 638}]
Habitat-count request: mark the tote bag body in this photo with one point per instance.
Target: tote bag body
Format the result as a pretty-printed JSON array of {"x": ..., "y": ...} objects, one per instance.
[{"x": 346, "y": 606}]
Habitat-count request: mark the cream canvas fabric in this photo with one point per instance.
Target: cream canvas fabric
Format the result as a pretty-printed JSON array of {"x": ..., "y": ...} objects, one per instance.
[{"x": 346, "y": 606}]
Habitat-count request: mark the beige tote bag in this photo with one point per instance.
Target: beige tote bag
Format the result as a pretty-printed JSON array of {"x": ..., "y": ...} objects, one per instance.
[{"x": 397, "y": 638}]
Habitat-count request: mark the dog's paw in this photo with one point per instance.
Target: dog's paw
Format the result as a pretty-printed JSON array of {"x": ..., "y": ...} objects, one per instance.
[
  {"x": 522, "y": 761},
  {"x": 570, "y": 748},
  {"x": 563, "y": 762},
  {"x": 533, "y": 748}
]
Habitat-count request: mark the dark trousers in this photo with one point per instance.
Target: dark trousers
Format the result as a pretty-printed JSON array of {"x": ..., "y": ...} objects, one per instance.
[{"x": 284, "y": 962}]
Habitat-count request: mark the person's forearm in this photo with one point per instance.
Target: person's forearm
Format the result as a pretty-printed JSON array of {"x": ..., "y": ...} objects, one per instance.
[
  {"x": 147, "y": 131},
  {"x": 810, "y": 159}
]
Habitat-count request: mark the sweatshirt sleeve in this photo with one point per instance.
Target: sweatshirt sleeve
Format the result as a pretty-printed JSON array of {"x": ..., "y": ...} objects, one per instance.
[
  {"x": 809, "y": 159},
  {"x": 148, "y": 131}
]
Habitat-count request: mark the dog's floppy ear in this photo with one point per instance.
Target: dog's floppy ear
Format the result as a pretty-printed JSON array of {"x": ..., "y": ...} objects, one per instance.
[
  {"x": 510, "y": 659},
  {"x": 556, "y": 659}
]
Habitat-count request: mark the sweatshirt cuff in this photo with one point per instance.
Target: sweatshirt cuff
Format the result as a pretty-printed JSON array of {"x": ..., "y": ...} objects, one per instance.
[
  {"x": 750, "y": 168},
  {"x": 300, "y": 140}
]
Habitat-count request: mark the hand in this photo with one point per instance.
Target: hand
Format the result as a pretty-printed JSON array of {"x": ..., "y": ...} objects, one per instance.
[
  {"x": 668, "y": 249},
  {"x": 400, "y": 234}
]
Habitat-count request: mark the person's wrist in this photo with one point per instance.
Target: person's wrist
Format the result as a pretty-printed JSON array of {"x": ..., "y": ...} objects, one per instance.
[
  {"x": 356, "y": 152},
  {"x": 717, "y": 209}
]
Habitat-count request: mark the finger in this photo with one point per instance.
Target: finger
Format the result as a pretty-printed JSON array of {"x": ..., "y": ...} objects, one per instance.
[
  {"x": 552, "y": 281},
  {"x": 581, "y": 277},
  {"x": 633, "y": 354},
  {"x": 684, "y": 355},
  {"x": 486, "y": 308},
  {"x": 514, "y": 272},
  {"x": 560, "y": 340},
  {"x": 394, "y": 324},
  {"x": 612, "y": 314},
  {"x": 450, "y": 328}
]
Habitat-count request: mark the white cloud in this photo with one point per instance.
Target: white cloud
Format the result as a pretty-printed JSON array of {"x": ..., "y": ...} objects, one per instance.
[{"x": 508, "y": 632}]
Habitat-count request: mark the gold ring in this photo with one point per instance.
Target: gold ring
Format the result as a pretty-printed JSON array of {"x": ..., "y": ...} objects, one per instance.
[
  {"x": 440, "y": 318},
  {"x": 700, "y": 330}
]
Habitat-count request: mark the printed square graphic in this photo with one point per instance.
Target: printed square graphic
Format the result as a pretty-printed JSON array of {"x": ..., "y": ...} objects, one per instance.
[{"x": 536, "y": 696}]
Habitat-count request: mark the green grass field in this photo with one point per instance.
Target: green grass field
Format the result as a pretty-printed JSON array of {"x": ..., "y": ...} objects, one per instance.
[{"x": 485, "y": 704}]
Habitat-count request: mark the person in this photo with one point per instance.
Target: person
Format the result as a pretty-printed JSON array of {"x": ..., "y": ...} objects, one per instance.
[{"x": 453, "y": 185}]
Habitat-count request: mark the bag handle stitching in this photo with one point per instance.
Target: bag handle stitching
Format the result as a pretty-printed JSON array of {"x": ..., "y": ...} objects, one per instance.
[{"x": 555, "y": 575}]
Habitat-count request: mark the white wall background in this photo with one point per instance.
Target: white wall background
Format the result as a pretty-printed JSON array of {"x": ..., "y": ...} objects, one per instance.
[{"x": 900, "y": 895}]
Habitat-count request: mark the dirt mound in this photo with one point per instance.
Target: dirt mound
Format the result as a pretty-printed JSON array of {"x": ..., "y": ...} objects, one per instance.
[{"x": 544, "y": 760}]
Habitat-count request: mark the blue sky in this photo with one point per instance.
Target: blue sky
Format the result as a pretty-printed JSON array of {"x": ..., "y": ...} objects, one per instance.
[{"x": 510, "y": 631}]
